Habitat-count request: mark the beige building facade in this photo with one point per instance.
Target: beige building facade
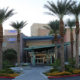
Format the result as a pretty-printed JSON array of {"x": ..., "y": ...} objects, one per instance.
[
  {"x": 38, "y": 42},
  {"x": 39, "y": 30}
]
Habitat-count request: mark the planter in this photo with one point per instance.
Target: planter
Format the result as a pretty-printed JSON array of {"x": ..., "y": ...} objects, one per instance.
[{"x": 64, "y": 76}]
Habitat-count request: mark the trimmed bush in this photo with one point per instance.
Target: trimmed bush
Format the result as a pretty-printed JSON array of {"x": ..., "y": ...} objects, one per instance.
[
  {"x": 6, "y": 71},
  {"x": 59, "y": 73},
  {"x": 10, "y": 55},
  {"x": 76, "y": 71},
  {"x": 9, "y": 58}
]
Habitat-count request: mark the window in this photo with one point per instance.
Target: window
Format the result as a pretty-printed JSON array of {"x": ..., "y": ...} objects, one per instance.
[
  {"x": 12, "y": 31},
  {"x": 12, "y": 39}
]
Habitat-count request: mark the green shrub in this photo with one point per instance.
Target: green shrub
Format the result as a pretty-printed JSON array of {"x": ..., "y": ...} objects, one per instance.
[
  {"x": 69, "y": 67},
  {"x": 10, "y": 55},
  {"x": 72, "y": 62},
  {"x": 56, "y": 65},
  {"x": 7, "y": 64},
  {"x": 52, "y": 70},
  {"x": 6, "y": 71}
]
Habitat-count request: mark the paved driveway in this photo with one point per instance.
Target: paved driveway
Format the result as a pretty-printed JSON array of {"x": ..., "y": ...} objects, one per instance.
[{"x": 33, "y": 73}]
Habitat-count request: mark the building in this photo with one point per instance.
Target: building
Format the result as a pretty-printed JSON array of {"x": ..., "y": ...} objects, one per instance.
[
  {"x": 39, "y": 48},
  {"x": 10, "y": 41},
  {"x": 39, "y": 30}
]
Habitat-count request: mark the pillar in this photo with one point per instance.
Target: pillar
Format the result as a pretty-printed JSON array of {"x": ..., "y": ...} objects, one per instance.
[
  {"x": 50, "y": 59},
  {"x": 33, "y": 58},
  {"x": 47, "y": 56}
]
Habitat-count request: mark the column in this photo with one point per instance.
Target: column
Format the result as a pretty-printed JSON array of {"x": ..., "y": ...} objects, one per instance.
[
  {"x": 47, "y": 56},
  {"x": 50, "y": 59},
  {"x": 33, "y": 58}
]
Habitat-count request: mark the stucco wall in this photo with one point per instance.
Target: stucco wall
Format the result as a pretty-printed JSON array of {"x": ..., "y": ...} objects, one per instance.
[
  {"x": 7, "y": 44},
  {"x": 38, "y": 43},
  {"x": 39, "y": 30}
]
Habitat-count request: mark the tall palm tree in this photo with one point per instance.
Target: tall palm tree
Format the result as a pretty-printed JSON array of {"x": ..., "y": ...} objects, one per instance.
[
  {"x": 60, "y": 9},
  {"x": 75, "y": 10},
  {"x": 18, "y": 26},
  {"x": 4, "y": 15},
  {"x": 71, "y": 24},
  {"x": 54, "y": 30}
]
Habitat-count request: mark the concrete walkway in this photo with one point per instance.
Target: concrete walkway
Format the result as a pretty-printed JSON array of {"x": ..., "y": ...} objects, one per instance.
[{"x": 33, "y": 73}]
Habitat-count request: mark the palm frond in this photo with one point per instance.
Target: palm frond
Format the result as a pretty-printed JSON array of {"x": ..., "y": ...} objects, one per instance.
[
  {"x": 60, "y": 9},
  {"x": 5, "y": 14},
  {"x": 54, "y": 26},
  {"x": 71, "y": 23},
  {"x": 18, "y": 25},
  {"x": 47, "y": 27},
  {"x": 75, "y": 9},
  {"x": 51, "y": 7},
  {"x": 9, "y": 14}
]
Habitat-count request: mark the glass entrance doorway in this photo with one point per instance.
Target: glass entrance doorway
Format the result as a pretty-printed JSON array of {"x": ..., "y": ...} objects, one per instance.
[{"x": 39, "y": 60}]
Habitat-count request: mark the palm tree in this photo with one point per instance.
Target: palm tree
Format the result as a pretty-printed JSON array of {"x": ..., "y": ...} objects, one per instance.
[
  {"x": 4, "y": 15},
  {"x": 18, "y": 26},
  {"x": 71, "y": 24},
  {"x": 75, "y": 10},
  {"x": 54, "y": 30},
  {"x": 60, "y": 10}
]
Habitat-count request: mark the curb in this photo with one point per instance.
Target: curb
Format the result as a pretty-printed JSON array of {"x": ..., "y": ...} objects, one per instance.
[
  {"x": 74, "y": 75},
  {"x": 45, "y": 77},
  {"x": 7, "y": 77}
]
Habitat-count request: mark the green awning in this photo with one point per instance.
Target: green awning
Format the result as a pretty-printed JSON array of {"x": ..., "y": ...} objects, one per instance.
[
  {"x": 45, "y": 46},
  {"x": 39, "y": 47}
]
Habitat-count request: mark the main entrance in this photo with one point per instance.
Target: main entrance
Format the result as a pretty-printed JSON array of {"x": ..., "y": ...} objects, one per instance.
[
  {"x": 39, "y": 60},
  {"x": 42, "y": 54}
]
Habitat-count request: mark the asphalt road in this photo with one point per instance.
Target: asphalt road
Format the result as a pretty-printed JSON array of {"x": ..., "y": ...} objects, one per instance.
[
  {"x": 69, "y": 78},
  {"x": 4, "y": 79}
]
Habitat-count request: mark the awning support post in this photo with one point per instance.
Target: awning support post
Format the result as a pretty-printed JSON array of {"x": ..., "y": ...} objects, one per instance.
[
  {"x": 33, "y": 58},
  {"x": 50, "y": 59}
]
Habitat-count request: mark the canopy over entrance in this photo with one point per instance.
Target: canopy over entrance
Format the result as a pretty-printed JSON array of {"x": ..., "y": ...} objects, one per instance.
[
  {"x": 32, "y": 48},
  {"x": 43, "y": 54}
]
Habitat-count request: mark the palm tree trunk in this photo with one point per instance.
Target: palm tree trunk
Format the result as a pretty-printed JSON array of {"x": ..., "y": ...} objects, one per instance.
[
  {"x": 18, "y": 46},
  {"x": 71, "y": 39},
  {"x": 77, "y": 43},
  {"x": 77, "y": 52},
  {"x": 62, "y": 45},
  {"x": 1, "y": 41},
  {"x": 56, "y": 52}
]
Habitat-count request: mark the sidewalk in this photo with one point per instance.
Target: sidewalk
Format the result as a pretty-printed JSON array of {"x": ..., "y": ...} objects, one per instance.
[{"x": 33, "y": 73}]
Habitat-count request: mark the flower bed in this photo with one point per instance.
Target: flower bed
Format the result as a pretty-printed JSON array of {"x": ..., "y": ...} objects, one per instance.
[
  {"x": 59, "y": 73},
  {"x": 5, "y": 75},
  {"x": 54, "y": 74},
  {"x": 8, "y": 73}
]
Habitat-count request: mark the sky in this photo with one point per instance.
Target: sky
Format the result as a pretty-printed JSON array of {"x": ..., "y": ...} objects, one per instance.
[{"x": 32, "y": 11}]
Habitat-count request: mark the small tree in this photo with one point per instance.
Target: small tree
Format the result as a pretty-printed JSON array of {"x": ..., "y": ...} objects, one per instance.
[
  {"x": 4, "y": 15},
  {"x": 75, "y": 10},
  {"x": 10, "y": 55},
  {"x": 18, "y": 26},
  {"x": 71, "y": 24},
  {"x": 54, "y": 30},
  {"x": 60, "y": 9}
]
